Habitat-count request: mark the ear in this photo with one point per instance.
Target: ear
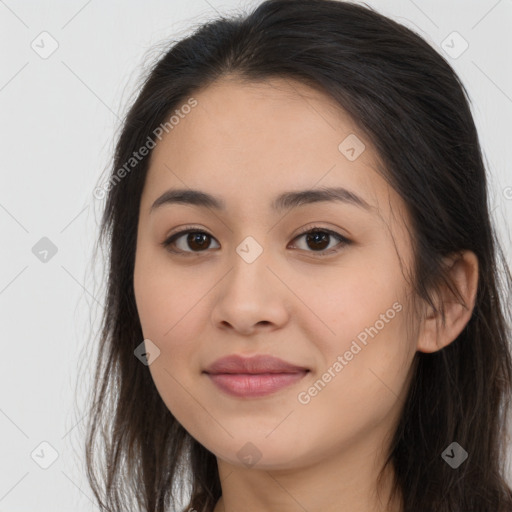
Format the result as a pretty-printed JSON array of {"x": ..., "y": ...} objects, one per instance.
[{"x": 463, "y": 273}]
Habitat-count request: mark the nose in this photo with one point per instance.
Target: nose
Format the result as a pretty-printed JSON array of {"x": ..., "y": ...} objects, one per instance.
[{"x": 251, "y": 298}]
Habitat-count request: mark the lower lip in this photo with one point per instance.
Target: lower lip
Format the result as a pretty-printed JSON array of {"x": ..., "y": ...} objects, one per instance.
[{"x": 254, "y": 385}]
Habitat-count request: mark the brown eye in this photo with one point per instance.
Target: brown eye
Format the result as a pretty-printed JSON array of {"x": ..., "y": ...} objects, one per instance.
[
  {"x": 194, "y": 241},
  {"x": 318, "y": 240},
  {"x": 198, "y": 241},
  {"x": 188, "y": 242}
]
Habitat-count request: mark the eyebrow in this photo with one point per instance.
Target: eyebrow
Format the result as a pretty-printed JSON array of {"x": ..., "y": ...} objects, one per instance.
[{"x": 284, "y": 201}]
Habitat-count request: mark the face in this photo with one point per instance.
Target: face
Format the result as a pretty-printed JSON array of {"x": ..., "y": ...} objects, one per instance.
[{"x": 252, "y": 277}]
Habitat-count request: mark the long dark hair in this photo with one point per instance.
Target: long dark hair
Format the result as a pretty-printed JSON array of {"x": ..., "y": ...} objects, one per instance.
[{"x": 409, "y": 102}]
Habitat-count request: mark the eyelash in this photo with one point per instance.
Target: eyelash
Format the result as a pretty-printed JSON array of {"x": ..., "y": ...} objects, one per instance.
[{"x": 310, "y": 230}]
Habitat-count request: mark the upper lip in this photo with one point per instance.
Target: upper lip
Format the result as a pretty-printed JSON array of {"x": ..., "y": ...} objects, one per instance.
[{"x": 255, "y": 364}]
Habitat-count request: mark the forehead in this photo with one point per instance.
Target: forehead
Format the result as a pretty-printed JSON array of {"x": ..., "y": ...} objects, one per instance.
[{"x": 247, "y": 142}]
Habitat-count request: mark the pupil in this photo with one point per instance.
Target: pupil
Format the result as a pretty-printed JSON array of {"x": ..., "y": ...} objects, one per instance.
[
  {"x": 195, "y": 238},
  {"x": 315, "y": 236}
]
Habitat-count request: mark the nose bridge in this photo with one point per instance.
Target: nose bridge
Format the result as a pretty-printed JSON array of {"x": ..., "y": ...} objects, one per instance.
[
  {"x": 249, "y": 264},
  {"x": 250, "y": 250},
  {"x": 249, "y": 294}
]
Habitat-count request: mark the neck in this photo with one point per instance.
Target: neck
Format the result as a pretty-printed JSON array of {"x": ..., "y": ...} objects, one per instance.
[{"x": 343, "y": 482}]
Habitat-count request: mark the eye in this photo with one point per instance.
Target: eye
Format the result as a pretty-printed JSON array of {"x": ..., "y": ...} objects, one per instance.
[
  {"x": 316, "y": 237},
  {"x": 196, "y": 239},
  {"x": 320, "y": 239}
]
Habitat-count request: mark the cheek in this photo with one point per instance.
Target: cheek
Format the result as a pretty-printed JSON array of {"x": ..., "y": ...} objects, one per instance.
[
  {"x": 363, "y": 312},
  {"x": 164, "y": 299},
  {"x": 358, "y": 387},
  {"x": 169, "y": 305},
  {"x": 348, "y": 301},
  {"x": 171, "y": 322}
]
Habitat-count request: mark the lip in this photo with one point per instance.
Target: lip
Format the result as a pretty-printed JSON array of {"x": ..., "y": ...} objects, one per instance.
[
  {"x": 255, "y": 364},
  {"x": 254, "y": 376}
]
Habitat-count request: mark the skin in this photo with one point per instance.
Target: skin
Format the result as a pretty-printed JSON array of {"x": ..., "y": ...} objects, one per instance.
[{"x": 247, "y": 143}]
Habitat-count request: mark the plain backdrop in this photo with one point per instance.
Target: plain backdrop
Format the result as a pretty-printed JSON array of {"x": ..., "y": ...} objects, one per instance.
[{"x": 60, "y": 113}]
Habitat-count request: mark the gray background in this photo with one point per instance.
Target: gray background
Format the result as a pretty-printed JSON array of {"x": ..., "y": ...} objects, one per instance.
[{"x": 59, "y": 116}]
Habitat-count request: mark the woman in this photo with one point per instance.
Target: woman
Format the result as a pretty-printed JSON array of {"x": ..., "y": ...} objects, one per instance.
[{"x": 303, "y": 306}]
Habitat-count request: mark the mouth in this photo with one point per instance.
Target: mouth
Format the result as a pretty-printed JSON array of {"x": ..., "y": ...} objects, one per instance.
[{"x": 255, "y": 376}]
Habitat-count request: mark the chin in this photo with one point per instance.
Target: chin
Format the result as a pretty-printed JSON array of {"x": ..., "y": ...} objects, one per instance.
[{"x": 262, "y": 455}]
